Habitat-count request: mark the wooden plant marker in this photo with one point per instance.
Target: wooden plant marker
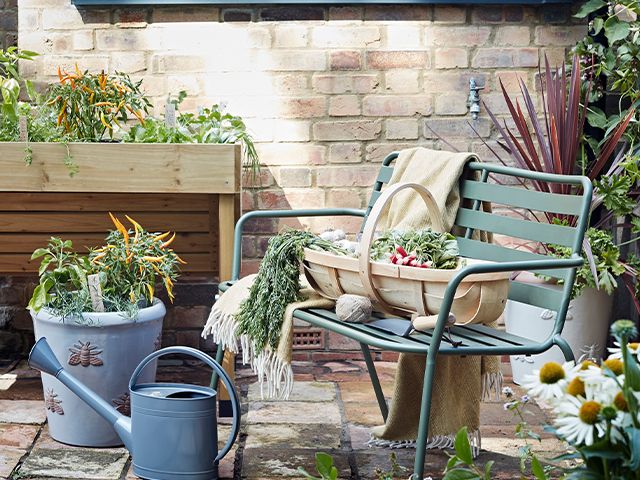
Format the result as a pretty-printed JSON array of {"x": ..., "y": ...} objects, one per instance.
[{"x": 95, "y": 291}]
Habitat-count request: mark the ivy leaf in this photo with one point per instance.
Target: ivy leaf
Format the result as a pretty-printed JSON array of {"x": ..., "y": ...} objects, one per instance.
[
  {"x": 615, "y": 30},
  {"x": 590, "y": 7}
]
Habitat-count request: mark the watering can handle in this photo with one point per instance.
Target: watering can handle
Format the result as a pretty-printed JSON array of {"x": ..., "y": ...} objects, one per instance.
[{"x": 235, "y": 402}]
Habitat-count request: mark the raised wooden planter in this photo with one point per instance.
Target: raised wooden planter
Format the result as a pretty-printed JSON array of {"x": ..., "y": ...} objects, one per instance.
[{"x": 191, "y": 189}]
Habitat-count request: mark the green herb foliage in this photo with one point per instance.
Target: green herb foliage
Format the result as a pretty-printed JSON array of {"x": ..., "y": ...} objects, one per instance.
[
  {"x": 276, "y": 286},
  {"x": 11, "y": 81},
  {"x": 439, "y": 248}
]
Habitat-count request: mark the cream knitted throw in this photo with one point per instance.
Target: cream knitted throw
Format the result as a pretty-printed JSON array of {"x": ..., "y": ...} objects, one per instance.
[
  {"x": 459, "y": 382},
  {"x": 273, "y": 368}
]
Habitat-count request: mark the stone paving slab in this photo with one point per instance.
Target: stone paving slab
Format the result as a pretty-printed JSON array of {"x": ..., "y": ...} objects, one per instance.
[
  {"x": 262, "y": 463},
  {"x": 363, "y": 413},
  {"x": 302, "y": 392},
  {"x": 83, "y": 463},
  {"x": 22, "y": 411},
  {"x": 9, "y": 458},
  {"x": 17, "y": 436},
  {"x": 292, "y": 436},
  {"x": 294, "y": 412},
  {"x": 362, "y": 391},
  {"x": 46, "y": 442}
]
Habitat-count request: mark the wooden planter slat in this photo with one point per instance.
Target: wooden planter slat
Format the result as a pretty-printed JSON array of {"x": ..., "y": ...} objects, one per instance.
[
  {"x": 190, "y": 189},
  {"x": 122, "y": 167}
]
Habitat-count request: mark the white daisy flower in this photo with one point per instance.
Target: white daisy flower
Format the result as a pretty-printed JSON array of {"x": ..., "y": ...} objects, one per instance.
[
  {"x": 550, "y": 381},
  {"x": 616, "y": 351},
  {"x": 580, "y": 422}
]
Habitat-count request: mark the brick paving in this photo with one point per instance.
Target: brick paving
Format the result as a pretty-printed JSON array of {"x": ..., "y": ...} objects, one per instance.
[{"x": 331, "y": 409}]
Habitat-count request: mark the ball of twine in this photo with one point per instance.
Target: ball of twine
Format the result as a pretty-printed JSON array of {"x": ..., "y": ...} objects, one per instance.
[{"x": 353, "y": 308}]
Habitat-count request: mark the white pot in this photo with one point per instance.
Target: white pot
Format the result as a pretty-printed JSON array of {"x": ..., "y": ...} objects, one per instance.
[
  {"x": 586, "y": 329},
  {"x": 102, "y": 355}
]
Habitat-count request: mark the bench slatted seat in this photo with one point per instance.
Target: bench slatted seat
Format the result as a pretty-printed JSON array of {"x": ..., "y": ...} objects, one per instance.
[{"x": 394, "y": 334}]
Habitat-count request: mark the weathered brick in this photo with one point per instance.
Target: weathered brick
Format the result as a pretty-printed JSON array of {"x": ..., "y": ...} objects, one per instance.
[
  {"x": 188, "y": 338},
  {"x": 402, "y": 81},
  {"x": 552, "y": 13},
  {"x": 345, "y": 153},
  {"x": 376, "y": 152},
  {"x": 93, "y": 63},
  {"x": 403, "y": 37},
  {"x": 447, "y": 82},
  {"x": 346, "y": 13},
  {"x": 449, "y": 14},
  {"x": 290, "y": 198},
  {"x": 397, "y": 12},
  {"x": 135, "y": 15},
  {"x": 383, "y": 60},
  {"x": 505, "y": 57},
  {"x": 130, "y": 40},
  {"x": 344, "y": 106},
  {"x": 560, "y": 35},
  {"x": 293, "y": 177},
  {"x": 451, "y": 104},
  {"x": 292, "y": 130},
  {"x": 345, "y": 60},
  {"x": 513, "y": 13},
  {"x": 304, "y": 107},
  {"x": 304, "y": 60},
  {"x": 290, "y": 84},
  {"x": 330, "y": 36},
  {"x": 291, "y": 154},
  {"x": 347, "y": 130},
  {"x": 451, "y": 58},
  {"x": 131, "y": 62},
  {"x": 185, "y": 13},
  {"x": 402, "y": 129},
  {"x": 291, "y": 36},
  {"x": 487, "y": 13},
  {"x": 64, "y": 18},
  {"x": 467, "y": 36},
  {"x": 456, "y": 127},
  {"x": 347, "y": 176},
  {"x": 512, "y": 36},
  {"x": 396, "y": 106},
  {"x": 511, "y": 79},
  {"x": 344, "y": 198},
  {"x": 83, "y": 40},
  {"x": 289, "y": 13},
  {"x": 237, "y": 15},
  {"x": 336, "y": 84}
]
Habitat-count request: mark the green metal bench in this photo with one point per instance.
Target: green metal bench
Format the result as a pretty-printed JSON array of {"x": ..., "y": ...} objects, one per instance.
[{"x": 391, "y": 334}]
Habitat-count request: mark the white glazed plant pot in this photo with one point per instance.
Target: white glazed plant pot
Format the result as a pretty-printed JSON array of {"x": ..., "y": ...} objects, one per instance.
[
  {"x": 586, "y": 329},
  {"x": 102, "y": 353}
]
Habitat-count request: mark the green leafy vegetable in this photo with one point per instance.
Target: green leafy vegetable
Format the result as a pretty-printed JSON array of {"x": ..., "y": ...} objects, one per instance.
[{"x": 441, "y": 249}]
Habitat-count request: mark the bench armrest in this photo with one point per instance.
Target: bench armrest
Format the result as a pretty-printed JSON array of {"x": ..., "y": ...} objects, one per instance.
[{"x": 320, "y": 212}]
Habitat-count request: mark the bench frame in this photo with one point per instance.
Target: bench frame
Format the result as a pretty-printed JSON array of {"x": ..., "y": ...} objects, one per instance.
[{"x": 478, "y": 339}]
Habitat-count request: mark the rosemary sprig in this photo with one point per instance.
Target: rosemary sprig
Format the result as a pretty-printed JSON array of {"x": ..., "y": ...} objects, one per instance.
[
  {"x": 277, "y": 285},
  {"x": 441, "y": 249}
]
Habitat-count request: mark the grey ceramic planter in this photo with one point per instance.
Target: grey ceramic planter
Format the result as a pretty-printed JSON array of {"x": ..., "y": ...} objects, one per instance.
[{"x": 102, "y": 356}]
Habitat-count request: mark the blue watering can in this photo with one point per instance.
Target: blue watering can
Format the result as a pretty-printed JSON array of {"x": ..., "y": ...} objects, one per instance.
[{"x": 172, "y": 433}]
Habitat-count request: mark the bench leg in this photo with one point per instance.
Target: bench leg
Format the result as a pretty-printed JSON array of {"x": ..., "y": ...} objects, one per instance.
[
  {"x": 384, "y": 409},
  {"x": 564, "y": 346},
  {"x": 214, "y": 376},
  {"x": 425, "y": 410}
]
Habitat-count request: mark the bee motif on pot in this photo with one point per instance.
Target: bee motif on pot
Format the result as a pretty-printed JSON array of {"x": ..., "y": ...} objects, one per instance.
[
  {"x": 52, "y": 403},
  {"x": 123, "y": 404},
  {"x": 85, "y": 354}
]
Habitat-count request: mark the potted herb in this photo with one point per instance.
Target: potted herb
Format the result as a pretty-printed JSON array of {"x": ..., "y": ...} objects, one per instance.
[
  {"x": 553, "y": 141},
  {"x": 99, "y": 313}
]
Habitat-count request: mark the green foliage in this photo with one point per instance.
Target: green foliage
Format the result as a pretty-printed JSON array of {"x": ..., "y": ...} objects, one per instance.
[
  {"x": 441, "y": 249},
  {"x": 209, "y": 125},
  {"x": 324, "y": 466},
  {"x": 11, "y": 81},
  {"x": 461, "y": 465},
  {"x": 396, "y": 471},
  {"x": 92, "y": 107},
  {"x": 128, "y": 267},
  {"x": 277, "y": 285},
  {"x": 606, "y": 258}
]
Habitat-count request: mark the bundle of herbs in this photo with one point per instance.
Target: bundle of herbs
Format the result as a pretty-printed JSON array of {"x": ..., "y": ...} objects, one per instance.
[
  {"x": 425, "y": 247},
  {"x": 277, "y": 285}
]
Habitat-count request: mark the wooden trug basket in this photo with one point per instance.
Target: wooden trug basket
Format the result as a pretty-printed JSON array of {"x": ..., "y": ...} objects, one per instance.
[{"x": 404, "y": 290}]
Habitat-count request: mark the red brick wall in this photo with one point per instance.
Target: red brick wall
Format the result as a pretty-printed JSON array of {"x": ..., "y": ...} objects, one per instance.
[{"x": 8, "y": 23}]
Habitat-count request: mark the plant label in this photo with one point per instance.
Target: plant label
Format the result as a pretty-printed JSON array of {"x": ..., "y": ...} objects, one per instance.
[
  {"x": 95, "y": 291},
  {"x": 170, "y": 114},
  {"x": 23, "y": 131}
]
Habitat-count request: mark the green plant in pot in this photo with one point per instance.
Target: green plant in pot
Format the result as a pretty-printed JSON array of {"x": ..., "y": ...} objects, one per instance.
[
  {"x": 101, "y": 317},
  {"x": 553, "y": 141}
]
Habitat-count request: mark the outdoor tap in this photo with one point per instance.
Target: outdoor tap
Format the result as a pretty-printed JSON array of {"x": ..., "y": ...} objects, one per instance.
[{"x": 474, "y": 98}]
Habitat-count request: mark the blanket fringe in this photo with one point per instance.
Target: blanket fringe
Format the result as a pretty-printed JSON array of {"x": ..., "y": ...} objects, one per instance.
[
  {"x": 439, "y": 442},
  {"x": 492, "y": 386},
  {"x": 222, "y": 326},
  {"x": 272, "y": 372}
]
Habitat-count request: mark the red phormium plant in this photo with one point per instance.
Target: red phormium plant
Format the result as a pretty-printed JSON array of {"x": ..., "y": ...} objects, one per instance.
[{"x": 552, "y": 145}]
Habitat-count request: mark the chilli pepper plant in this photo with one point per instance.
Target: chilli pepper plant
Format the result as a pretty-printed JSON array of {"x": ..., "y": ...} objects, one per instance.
[{"x": 127, "y": 269}]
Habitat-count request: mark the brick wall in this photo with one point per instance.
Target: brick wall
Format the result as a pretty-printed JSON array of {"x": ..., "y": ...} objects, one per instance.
[
  {"x": 327, "y": 91},
  {"x": 8, "y": 23}
]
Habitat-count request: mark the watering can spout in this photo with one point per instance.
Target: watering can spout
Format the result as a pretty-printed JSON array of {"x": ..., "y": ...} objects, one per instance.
[{"x": 42, "y": 358}]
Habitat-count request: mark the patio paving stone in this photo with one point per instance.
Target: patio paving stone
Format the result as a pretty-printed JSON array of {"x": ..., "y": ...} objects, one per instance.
[
  {"x": 362, "y": 391},
  {"x": 9, "y": 458},
  {"x": 292, "y": 436},
  {"x": 293, "y": 412},
  {"x": 262, "y": 463},
  {"x": 302, "y": 392},
  {"x": 363, "y": 413},
  {"x": 17, "y": 436},
  {"x": 46, "y": 442},
  {"x": 96, "y": 464},
  {"x": 23, "y": 411}
]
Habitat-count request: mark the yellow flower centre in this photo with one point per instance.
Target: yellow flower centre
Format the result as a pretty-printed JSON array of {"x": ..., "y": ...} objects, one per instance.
[
  {"x": 589, "y": 412},
  {"x": 551, "y": 372},
  {"x": 615, "y": 365},
  {"x": 576, "y": 387},
  {"x": 620, "y": 403},
  {"x": 634, "y": 345},
  {"x": 586, "y": 364}
]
